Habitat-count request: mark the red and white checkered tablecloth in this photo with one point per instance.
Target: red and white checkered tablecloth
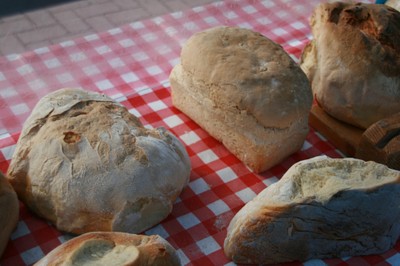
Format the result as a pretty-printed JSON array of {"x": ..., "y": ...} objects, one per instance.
[{"x": 132, "y": 64}]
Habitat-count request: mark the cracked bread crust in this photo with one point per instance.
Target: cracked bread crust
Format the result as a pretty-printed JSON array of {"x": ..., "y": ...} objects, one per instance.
[
  {"x": 245, "y": 91},
  {"x": 321, "y": 208},
  {"x": 85, "y": 163}
]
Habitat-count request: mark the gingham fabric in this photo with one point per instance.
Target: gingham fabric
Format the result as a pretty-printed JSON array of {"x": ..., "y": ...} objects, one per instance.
[{"x": 131, "y": 64}]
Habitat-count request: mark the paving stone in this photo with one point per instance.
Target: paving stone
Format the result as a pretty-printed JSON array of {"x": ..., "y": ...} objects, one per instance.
[
  {"x": 69, "y": 37},
  {"x": 96, "y": 10},
  {"x": 154, "y": 7},
  {"x": 69, "y": 6},
  {"x": 65, "y": 15},
  {"x": 125, "y": 4},
  {"x": 15, "y": 26},
  {"x": 41, "y": 18},
  {"x": 174, "y": 5},
  {"x": 128, "y": 16},
  {"x": 96, "y": 2},
  {"x": 34, "y": 29},
  {"x": 75, "y": 25},
  {"x": 71, "y": 21},
  {"x": 10, "y": 45},
  {"x": 33, "y": 46},
  {"x": 42, "y": 34},
  {"x": 100, "y": 23},
  {"x": 198, "y": 2}
]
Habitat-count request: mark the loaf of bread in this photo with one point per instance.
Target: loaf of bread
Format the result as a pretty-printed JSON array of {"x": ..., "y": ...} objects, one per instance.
[
  {"x": 9, "y": 212},
  {"x": 353, "y": 61},
  {"x": 246, "y": 92},
  {"x": 320, "y": 208},
  {"x": 85, "y": 163},
  {"x": 112, "y": 248}
]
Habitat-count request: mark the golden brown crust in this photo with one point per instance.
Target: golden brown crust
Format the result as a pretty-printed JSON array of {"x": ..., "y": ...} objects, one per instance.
[
  {"x": 261, "y": 78},
  {"x": 245, "y": 91}
]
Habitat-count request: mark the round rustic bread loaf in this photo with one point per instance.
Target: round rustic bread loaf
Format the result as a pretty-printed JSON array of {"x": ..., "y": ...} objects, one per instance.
[
  {"x": 86, "y": 164},
  {"x": 245, "y": 91},
  {"x": 353, "y": 62},
  {"x": 9, "y": 210},
  {"x": 320, "y": 208},
  {"x": 112, "y": 248}
]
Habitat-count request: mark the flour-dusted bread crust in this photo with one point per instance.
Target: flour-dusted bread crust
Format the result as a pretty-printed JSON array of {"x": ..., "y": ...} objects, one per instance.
[
  {"x": 9, "y": 212},
  {"x": 353, "y": 62},
  {"x": 245, "y": 91},
  {"x": 112, "y": 248},
  {"x": 86, "y": 164},
  {"x": 321, "y": 208}
]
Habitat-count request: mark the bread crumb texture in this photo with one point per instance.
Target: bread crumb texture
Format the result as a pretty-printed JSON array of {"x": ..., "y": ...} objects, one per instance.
[
  {"x": 113, "y": 248},
  {"x": 102, "y": 252},
  {"x": 321, "y": 208},
  {"x": 86, "y": 164}
]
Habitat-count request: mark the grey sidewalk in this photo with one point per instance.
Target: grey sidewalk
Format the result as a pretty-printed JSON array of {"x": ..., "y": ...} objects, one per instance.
[{"x": 34, "y": 29}]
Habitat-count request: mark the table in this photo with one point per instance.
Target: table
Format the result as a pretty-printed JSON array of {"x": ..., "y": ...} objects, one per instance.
[{"x": 131, "y": 64}]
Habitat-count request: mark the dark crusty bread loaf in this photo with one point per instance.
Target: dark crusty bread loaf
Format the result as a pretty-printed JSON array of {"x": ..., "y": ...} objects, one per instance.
[
  {"x": 112, "y": 248},
  {"x": 353, "y": 61},
  {"x": 321, "y": 208},
  {"x": 245, "y": 91}
]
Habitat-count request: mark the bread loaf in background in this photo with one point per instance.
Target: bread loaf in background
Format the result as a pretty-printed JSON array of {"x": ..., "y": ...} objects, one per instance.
[
  {"x": 85, "y": 163},
  {"x": 353, "y": 61},
  {"x": 320, "y": 208},
  {"x": 9, "y": 212},
  {"x": 112, "y": 248},
  {"x": 246, "y": 92}
]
